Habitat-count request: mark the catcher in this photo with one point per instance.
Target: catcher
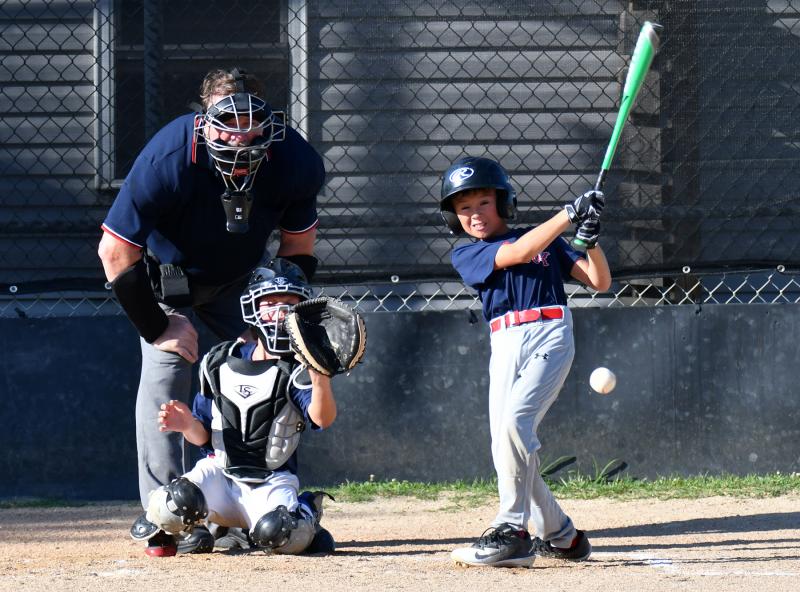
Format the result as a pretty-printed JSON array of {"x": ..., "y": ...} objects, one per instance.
[{"x": 248, "y": 419}]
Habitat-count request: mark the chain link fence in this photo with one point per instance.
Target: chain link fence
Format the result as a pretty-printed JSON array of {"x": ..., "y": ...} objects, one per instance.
[{"x": 702, "y": 197}]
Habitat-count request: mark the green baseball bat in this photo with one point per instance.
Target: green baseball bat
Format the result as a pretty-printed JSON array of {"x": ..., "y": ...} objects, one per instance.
[{"x": 643, "y": 54}]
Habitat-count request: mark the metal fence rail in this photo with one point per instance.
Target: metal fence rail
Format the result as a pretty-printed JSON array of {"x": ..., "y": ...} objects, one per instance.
[
  {"x": 753, "y": 287},
  {"x": 705, "y": 177}
]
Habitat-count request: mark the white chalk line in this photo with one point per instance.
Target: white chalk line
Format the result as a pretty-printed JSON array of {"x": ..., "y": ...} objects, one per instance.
[
  {"x": 673, "y": 566},
  {"x": 124, "y": 572}
]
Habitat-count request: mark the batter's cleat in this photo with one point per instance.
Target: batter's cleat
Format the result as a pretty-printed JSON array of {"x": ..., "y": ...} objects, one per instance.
[
  {"x": 161, "y": 545},
  {"x": 200, "y": 540},
  {"x": 321, "y": 544},
  {"x": 500, "y": 546},
  {"x": 580, "y": 549}
]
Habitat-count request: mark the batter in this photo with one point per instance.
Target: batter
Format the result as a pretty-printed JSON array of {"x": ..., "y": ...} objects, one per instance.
[{"x": 519, "y": 275}]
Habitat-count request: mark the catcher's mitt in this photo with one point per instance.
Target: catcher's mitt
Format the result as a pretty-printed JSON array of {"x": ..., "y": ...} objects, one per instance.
[{"x": 327, "y": 335}]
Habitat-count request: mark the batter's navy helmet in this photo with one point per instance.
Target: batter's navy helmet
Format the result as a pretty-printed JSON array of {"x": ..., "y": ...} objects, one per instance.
[{"x": 473, "y": 172}]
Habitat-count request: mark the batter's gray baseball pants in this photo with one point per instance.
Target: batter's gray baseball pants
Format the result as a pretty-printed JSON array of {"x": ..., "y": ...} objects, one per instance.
[{"x": 528, "y": 366}]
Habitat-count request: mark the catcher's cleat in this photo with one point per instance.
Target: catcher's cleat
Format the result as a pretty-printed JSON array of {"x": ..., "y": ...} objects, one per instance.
[
  {"x": 232, "y": 538},
  {"x": 580, "y": 549},
  {"x": 322, "y": 543},
  {"x": 500, "y": 546},
  {"x": 313, "y": 501},
  {"x": 161, "y": 545},
  {"x": 200, "y": 540}
]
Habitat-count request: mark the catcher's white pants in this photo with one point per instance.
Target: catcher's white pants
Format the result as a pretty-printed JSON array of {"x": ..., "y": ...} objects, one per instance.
[
  {"x": 231, "y": 503},
  {"x": 528, "y": 366}
]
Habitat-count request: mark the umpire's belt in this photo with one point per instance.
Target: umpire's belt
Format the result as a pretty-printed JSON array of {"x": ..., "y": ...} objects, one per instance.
[{"x": 520, "y": 317}]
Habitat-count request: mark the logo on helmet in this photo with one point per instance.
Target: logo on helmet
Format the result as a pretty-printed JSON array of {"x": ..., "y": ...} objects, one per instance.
[{"x": 461, "y": 175}]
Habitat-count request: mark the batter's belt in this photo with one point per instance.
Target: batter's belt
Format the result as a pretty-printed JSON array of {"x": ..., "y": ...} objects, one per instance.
[{"x": 520, "y": 317}]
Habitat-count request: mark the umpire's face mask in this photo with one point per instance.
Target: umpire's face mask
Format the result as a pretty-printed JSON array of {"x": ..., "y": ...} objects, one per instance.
[{"x": 238, "y": 130}]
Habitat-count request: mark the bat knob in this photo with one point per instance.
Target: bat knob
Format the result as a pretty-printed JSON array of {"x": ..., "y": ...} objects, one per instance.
[{"x": 579, "y": 244}]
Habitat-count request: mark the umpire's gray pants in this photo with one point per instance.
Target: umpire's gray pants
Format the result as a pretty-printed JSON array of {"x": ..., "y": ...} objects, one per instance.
[
  {"x": 163, "y": 456},
  {"x": 528, "y": 366}
]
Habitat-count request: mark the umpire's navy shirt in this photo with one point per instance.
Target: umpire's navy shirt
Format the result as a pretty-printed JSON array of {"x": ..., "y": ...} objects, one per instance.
[
  {"x": 537, "y": 283},
  {"x": 170, "y": 202}
]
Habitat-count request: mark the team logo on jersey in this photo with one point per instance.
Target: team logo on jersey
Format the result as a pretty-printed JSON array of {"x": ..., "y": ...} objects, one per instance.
[
  {"x": 542, "y": 258},
  {"x": 245, "y": 390},
  {"x": 460, "y": 175}
]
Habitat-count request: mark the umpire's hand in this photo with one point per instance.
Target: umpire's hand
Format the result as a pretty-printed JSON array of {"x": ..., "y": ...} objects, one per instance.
[{"x": 179, "y": 337}]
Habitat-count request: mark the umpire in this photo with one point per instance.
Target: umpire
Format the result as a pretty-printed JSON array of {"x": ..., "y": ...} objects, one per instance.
[{"x": 190, "y": 222}]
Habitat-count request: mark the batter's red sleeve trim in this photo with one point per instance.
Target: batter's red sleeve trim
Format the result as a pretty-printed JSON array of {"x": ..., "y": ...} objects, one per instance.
[{"x": 119, "y": 237}]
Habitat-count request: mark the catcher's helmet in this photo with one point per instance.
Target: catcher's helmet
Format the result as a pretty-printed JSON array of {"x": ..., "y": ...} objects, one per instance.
[
  {"x": 473, "y": 172},
  {"x": 238, "y": 164},
  {"x": 278, "y": 277}
]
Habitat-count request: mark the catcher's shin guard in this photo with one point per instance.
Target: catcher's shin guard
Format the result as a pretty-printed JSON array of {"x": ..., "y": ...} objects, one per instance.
[
  {"x": 177, "y": 507},
  {"x": 159, "y": 543},
  {"x": 142, "y": 529},
  {"x": 284, "y": 532}
]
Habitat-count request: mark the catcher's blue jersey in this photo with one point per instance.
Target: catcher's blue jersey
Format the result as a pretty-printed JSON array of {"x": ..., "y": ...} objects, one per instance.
[{"x": 537, "y": 283}]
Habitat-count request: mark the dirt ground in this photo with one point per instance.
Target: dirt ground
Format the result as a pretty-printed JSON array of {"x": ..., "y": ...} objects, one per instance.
[{"x": 711, "y": 544}]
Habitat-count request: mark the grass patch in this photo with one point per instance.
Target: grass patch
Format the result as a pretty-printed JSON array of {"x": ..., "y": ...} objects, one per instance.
[
  {"x": 580, "y": 486},
  {"x": 678, "y": 487},
  {"x": 573, "y": 485},
  {"x": 369, "y": 490}
]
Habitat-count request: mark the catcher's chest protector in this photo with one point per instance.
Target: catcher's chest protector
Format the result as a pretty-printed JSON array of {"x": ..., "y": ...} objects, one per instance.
[{"x": 255, "y": 427}]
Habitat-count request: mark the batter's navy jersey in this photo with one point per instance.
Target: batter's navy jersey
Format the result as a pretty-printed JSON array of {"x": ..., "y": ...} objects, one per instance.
[
  {"x": 540, "y": 282},
  {"x": 170, "y": 201},
  {"x": 201, "y": 408}
]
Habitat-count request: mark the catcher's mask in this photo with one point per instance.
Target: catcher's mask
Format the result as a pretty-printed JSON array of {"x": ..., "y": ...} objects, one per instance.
[
  {"x": 279, "y": 277},
  {"x": 474, "y": 172},
  {"x": 240, "y": 113}
]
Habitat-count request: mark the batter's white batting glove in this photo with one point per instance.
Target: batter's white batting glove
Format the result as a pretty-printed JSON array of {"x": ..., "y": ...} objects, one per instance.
[
  {"x": 588, "y": 232},
  {"x": 588, "y": 205}
]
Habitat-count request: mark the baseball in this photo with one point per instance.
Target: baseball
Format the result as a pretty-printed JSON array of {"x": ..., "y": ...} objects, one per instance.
[{"x": 603, "y": 380}]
